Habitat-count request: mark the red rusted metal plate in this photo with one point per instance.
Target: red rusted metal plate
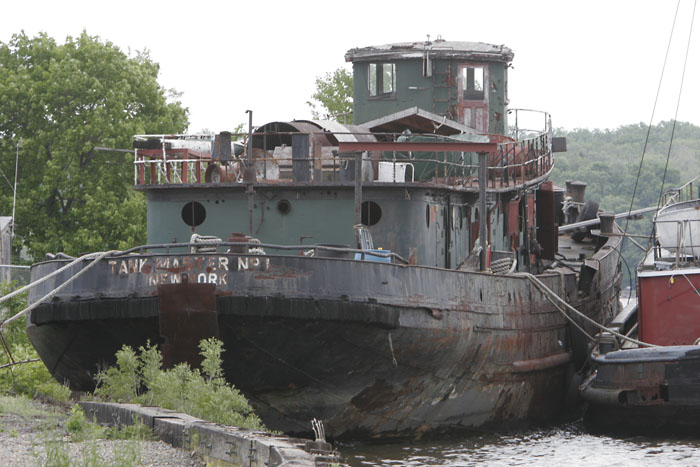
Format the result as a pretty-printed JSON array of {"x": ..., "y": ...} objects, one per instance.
[
  {"x": 187, "y": 315},
  {"x": 441, "y": 146},
  {"x": 668, "y": 307},
  {"x": 546, "y": 225}
]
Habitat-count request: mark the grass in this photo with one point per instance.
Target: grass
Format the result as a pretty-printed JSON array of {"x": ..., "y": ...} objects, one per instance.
[
  {"x": 88, "y": 434},
  {"x": 25, "y": 407},
  {"x": 58, "y": 433}
]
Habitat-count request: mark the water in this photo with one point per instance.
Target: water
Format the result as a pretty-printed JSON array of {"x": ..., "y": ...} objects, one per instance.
[{"x": 566, "y": 445}]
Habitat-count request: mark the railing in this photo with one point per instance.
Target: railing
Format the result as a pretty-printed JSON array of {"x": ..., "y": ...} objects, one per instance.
[
  {"x": 527, "y": 122},
  {"x": 390, "y": 158},
  {"x": 678, "y": 232},
  {"x": 253, "y": 248},
  {"x": 682, "y": 193},
  {"x": 171, "y": 166}
]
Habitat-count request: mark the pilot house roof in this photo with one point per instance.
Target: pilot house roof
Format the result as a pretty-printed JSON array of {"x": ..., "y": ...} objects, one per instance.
[{"x": 438, "y": 49}]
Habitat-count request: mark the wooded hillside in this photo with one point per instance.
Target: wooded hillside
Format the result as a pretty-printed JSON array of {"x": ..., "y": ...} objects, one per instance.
[{"x": 609, "y": 160}]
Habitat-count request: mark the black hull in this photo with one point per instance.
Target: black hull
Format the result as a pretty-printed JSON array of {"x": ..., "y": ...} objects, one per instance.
[
  {"x": 654, "y": 421},
  {"x": 651, "y": 391},
  {"x": 440, "y": 350},
  {"x": 339, "y": 370}
]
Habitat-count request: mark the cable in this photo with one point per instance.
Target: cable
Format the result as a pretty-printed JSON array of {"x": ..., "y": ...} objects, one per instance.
[
  {"x": 651, "y": 120},
  {"x": 552, "y": 297},
  {"x": 678, "y": 104},
  {"x": 629, "y": 271}
]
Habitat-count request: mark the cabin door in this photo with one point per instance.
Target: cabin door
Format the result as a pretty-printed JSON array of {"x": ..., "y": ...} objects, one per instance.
[{"x": 473, "y": 96}]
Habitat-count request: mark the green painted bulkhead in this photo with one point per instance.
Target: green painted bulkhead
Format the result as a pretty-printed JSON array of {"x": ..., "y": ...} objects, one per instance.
[
  {"x": 431, "y": 221},
  {"x": 433, "y": 226},
  {"x": 433, "y": 77}
]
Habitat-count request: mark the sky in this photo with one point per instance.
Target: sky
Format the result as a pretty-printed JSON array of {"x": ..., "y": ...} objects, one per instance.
[{"x": 592, "y": 64}]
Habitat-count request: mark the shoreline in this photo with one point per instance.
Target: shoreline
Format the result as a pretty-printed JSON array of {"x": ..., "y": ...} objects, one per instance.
[{"x": 32, "y": 431}]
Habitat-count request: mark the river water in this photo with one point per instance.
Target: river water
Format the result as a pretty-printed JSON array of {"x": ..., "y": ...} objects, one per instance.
[{"x": 561, "y": 446}]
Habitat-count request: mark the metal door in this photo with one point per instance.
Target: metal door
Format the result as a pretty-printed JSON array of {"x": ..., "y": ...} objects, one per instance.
[{"x": 473, "y": 96}]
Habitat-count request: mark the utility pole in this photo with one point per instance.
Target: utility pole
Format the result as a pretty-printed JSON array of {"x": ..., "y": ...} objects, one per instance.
[{"x": 14, "y": 190}]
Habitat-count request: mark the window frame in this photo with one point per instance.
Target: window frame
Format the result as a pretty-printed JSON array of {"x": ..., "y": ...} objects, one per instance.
[
  {"x": 470, "y": 93},
  {"x": 378, "y": 69}
]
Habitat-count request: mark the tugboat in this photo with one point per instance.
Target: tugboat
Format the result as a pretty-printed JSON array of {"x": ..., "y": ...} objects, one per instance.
[
  {"x": 385, "y": 277},
  {"x": 646, "y": 374}
]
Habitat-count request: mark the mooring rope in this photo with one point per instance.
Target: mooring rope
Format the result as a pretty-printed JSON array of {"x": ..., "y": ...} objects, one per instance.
[
  {"x": 96, "y": 257},
  {"x": 556, "y": 300}
]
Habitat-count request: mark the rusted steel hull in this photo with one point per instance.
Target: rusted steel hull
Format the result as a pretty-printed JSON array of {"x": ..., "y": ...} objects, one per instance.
[
  {"x": 397, "y": 350},
  {"x": 649, "y": 390}
]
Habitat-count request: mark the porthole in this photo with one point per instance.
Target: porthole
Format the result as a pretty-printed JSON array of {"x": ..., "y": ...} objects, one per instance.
[
  {"x": 284, "y": 206},
  {"x": 371, "y": 213},
  {"x": 193, "y": 213}
]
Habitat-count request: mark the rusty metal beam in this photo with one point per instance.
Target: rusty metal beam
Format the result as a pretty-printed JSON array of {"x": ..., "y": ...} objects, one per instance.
[{"x": 417, "y": 146}]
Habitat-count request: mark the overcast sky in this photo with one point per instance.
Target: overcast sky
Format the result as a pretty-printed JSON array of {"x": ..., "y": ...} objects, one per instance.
[{"x": 592, "y": 64}]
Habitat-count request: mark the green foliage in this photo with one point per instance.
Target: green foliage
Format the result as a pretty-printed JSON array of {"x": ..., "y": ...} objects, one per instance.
[
  {"x": 211, "y": 350},
  {"x": 31, "y": 379},
  {"x": 51, "y": 390},
  {"x": 136, "y": 431},
  {"x": 77, "y": 421},
  {"x": 59, "y": 102},
  {"x": 203, "y": 394},
  {"x": 151, "y": 361},
  {"x": 80, "y": 429},
  {"x": 121, "y": 383},
  {"x": 333, "y": 96}
]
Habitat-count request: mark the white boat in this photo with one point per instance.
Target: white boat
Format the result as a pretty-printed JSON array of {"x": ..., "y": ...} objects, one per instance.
[{"x": 678, "y": 228}]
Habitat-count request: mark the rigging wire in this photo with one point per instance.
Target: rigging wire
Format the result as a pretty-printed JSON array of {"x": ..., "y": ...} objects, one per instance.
[
  {"x": 678, "y": 104},
  {"x": 651, "y": 120}
]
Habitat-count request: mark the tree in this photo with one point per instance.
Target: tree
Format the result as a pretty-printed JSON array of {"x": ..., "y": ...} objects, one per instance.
[
  {"x": 608, "y": 160},
  {"x": 60, "y": 102},
  {"x": 334, "y": 96}
]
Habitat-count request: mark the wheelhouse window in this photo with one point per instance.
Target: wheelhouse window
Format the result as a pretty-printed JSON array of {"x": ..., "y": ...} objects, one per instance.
[
  {"x": 473, "y": 83},
  {"x": 382, "y": 79}
]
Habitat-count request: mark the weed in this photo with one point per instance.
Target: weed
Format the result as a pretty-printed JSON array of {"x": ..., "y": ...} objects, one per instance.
[
  {"x": 57, "y": 454},
  {"x": 80, "y": 428},
  {"x": 122, "y": 381},
  {"x": 194, "y": 440},
  {"x": 137, "y": 431},
  {"x": 211, "y": 350},
  {"x": 204, "y": 394},
  {"x": 90, "y": 456},
  {"x": 127, "y": 454}
]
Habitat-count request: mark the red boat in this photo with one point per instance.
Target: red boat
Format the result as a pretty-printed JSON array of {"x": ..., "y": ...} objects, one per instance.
[{"x": 646, "y": 374}]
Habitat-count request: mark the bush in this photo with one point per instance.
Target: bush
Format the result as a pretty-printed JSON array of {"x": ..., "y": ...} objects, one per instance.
[
  {"x": 121, "y": 382},
  {"x": 204, "y": 394}
]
